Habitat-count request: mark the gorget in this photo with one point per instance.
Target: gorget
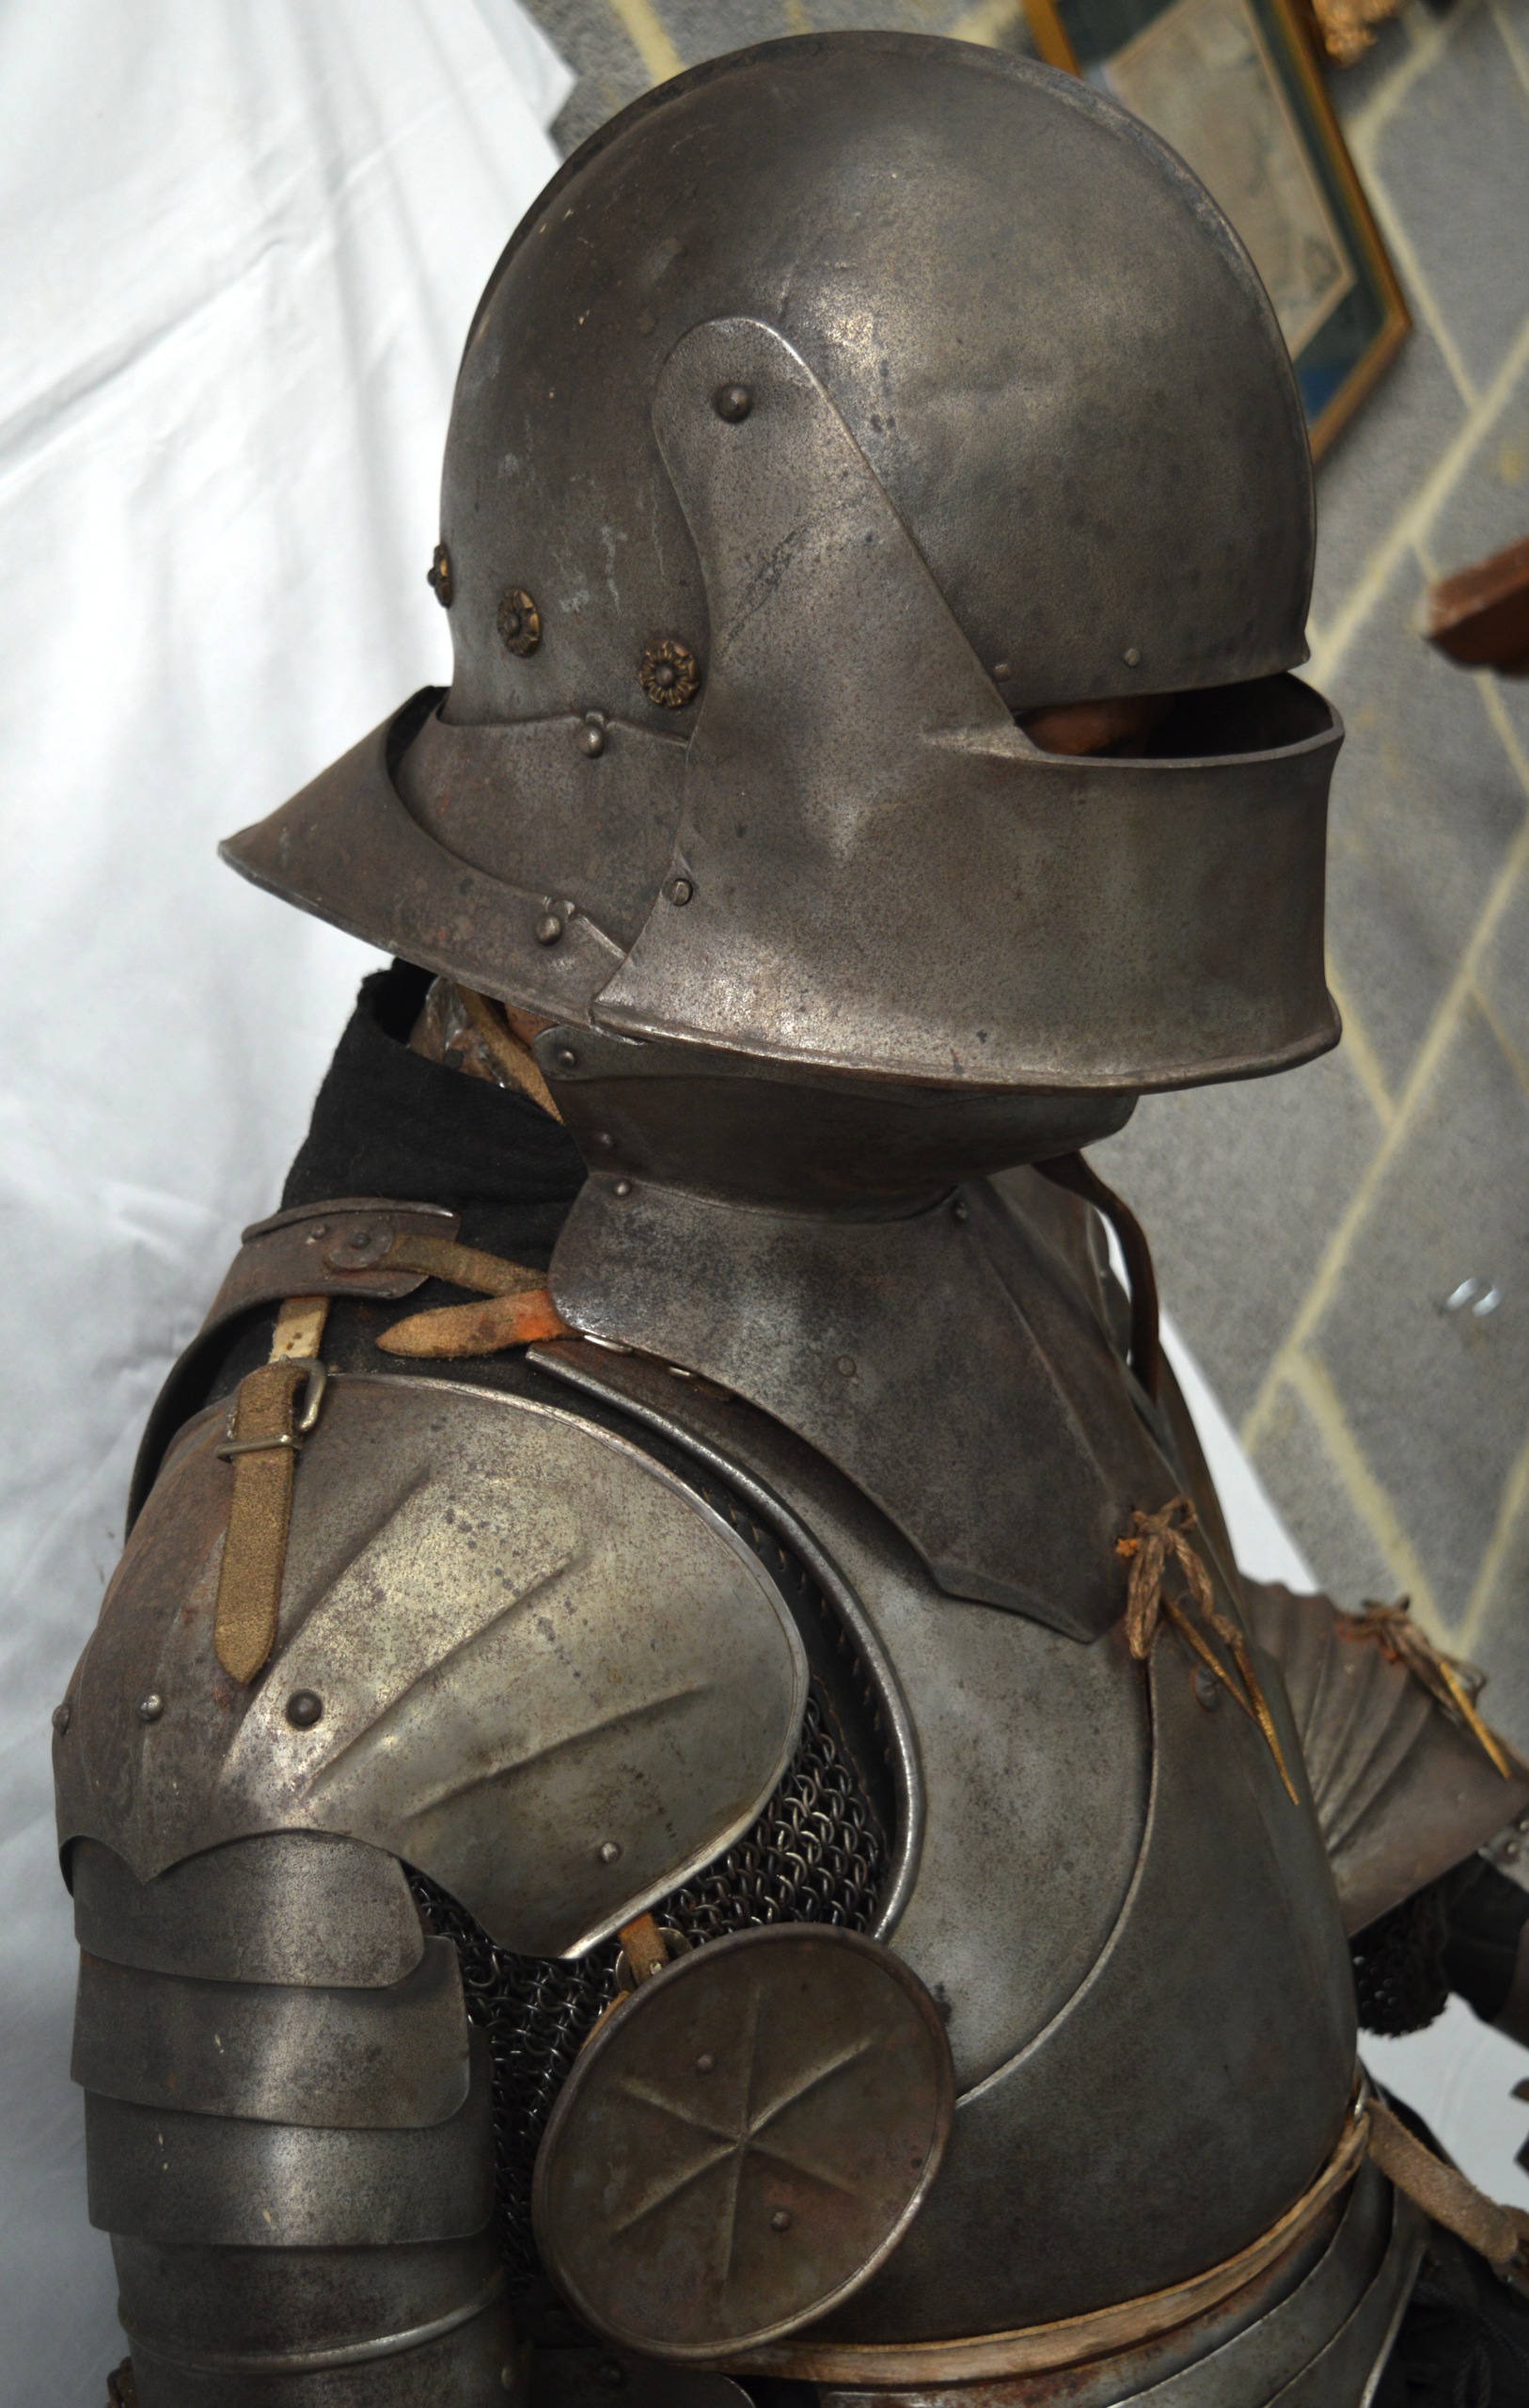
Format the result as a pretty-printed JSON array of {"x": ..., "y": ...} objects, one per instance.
[{"x": 947, "y": 1362}]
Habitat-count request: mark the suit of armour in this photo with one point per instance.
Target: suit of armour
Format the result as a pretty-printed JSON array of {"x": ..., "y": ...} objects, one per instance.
[{"x": 678, "y": 1790}]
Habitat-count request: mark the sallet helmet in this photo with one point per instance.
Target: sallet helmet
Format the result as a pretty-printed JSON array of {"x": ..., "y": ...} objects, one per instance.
[{"x": 837, "y": 406}]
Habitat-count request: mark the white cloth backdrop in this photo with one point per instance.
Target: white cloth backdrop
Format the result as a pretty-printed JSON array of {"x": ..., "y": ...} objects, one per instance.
[
  {"x": 240, "y": 244},
  {"x": 241, "y": 240}
]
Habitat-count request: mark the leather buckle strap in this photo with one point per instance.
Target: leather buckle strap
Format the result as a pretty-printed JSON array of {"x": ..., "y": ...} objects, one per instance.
[
  {"x": 265, "y": 1434},
  {"x": 312, "y": 1388}
]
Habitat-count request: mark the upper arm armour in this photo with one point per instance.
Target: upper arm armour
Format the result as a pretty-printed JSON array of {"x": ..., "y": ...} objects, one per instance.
[
  {"x": 549, "y": 1674},
  {"x": 1401, "y": 1791}
]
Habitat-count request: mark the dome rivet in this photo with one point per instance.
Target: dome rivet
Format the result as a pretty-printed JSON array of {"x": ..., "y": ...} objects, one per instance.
[
  {"x": 623, "y": 1187},
  {"x": 669, "y": 674},
  {"x": 609, "y": 1851},
  {"x": 439, "y": 577},
  {"x": 519, "y": 621},
  {"x": 734, "y": 402},
  {"x": 62, "y": 1716},
  {"x": 592, "y": 738},
  {"x": 548, "y": 928},
  {"x": 304, "y": 1708},
  {"x": 780, "y": 2220},
  {"x": 679, "y": 890},
  {"x": 1132, "y": 656},
  {"x": 150, "y": 1707}
]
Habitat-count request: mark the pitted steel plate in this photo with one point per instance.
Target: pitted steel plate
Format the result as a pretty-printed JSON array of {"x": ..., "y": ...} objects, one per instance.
[
  {"x": 551, "y": 1676},
  {"x": 744, "y": 2142}
]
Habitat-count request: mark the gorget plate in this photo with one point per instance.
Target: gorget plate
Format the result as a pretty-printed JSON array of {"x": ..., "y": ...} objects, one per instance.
[{"x": 742, "y": 2144}]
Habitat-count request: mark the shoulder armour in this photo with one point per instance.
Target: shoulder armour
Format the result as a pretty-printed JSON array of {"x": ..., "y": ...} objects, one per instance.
[
  {"x": 549, "y": 1674},
  {"x": 349, "y": 1245},
  {"x": 1402, "y": 1794}
]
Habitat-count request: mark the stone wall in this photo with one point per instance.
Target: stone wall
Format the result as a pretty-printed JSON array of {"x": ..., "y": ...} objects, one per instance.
[{"x": 1312, "y": 1229}]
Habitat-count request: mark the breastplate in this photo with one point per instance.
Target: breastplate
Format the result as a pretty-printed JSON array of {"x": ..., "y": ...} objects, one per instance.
[{"x": 1130, "y": 1925}]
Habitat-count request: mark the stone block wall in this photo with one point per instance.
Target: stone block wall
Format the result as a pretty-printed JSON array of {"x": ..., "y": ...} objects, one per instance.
[{"x": 1313, "y": 1230}]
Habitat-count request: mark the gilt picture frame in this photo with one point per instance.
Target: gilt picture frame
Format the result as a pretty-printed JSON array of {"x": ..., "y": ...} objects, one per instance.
[{"x": 1234, "y": 87}]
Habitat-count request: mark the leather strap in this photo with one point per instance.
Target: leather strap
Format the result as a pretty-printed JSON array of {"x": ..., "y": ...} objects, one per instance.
[
  {"x": 519, "y": 1312},
  {"x": 1496, "y": 2233},
  {"x": 464, "y": 1266},
  {"x": 1499, "y": 2234},
  {"x": 454, "y": 1331},
  {"x": 1078, "y": 1176},
  {"x": 1035, "y": 2349},
  {"x": 265, "y": 1434},
  {"x": 342, "y": 1248}
]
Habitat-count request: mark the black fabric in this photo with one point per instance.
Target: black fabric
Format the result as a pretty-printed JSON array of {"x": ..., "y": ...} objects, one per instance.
[
  {"x": 1463, "y": 2341},
  {"x": 1486, "y": 1916},
  {"x": 386, "y": 1122}
]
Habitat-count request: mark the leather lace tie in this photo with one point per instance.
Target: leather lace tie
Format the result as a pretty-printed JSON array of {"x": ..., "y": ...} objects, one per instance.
[
  {"x": 1159, "y": 1545},
  {"x": 1450, "y": 1682}
]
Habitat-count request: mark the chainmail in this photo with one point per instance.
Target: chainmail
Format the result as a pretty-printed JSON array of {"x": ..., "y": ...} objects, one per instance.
[
  {"x": 814, "y": 1855},
  {"x": 1399, "y": 1977}
]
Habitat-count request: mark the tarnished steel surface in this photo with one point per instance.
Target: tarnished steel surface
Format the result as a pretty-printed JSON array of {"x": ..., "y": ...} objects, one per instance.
[
  {"x": 815, "y": 943},
  {"x": 587, "y": 2378},
  {"x": 549, "y": 1675},
  {"x": 1204, "y": 1954},
  {"x": 277, "y": 2055},
  {"x": 765, "y": 1133},
  {"x": 1246, "y": 2353},
  {"x": 287, "y": 1907},
  {"x": 744, "y": 2142},
  {"x": 417, "y": 2323},
  {"x": 334, "y": 1249},
  {"x": 348, "y": 849},
  {"x": 1226, "y": 1992},
  {"x": 1346, "y": 2371},
  {"x": 241, "y": 2300},
  {"x": 458, "y": 2360},
  {"x": 858, "y": 570},
  {"x": 1027, "y": 1755},
  {"x": 596, "y": 824},
  {"x": 937, "y": 1359},
  {"x": 988, "y": 265},
  {"x": 211, "y": 2325},
  {"x": 1401, "y": 1791},
  {"x": 166, "y": 2176}
]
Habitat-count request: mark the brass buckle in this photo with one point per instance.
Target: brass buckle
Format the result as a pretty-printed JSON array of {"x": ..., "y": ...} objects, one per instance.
[{"x": 315, "y": 1380}]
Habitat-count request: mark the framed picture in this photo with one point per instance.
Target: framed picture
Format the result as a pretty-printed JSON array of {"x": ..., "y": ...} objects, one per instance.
[{"x": 1234, "y": 87}]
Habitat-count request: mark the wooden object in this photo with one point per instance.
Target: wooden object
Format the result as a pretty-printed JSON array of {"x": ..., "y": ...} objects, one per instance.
[{"x": 1480, "y": 615}]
